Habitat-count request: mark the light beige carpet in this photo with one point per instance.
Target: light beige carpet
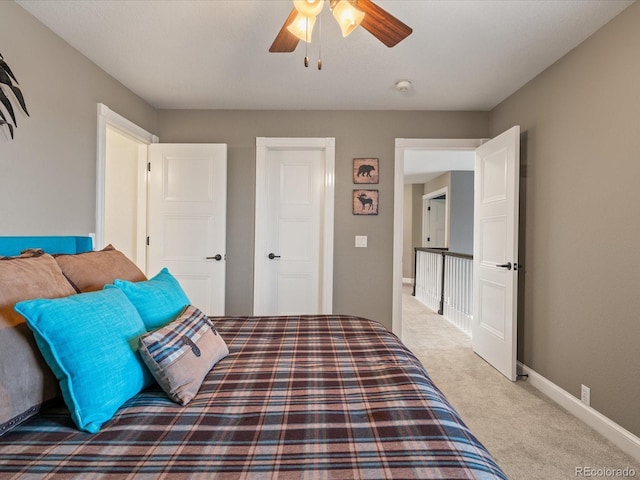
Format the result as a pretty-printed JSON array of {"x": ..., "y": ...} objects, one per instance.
[{"x": 529, "y": 435}]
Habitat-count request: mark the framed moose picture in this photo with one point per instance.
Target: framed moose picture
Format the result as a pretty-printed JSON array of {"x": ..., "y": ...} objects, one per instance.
[
  {"x": 365, "y": 170},
  {"x": 365, "y": 202}
]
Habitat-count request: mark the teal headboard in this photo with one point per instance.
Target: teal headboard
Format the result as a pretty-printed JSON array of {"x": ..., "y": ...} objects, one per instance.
[{"x": 10, "y": 246}]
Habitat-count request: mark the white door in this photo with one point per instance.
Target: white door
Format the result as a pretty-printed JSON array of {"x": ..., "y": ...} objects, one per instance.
[
  {"x": 125, "y": 195},
  {"x": 495, "y": 251},
  {"x": 291, "y": 254},
  {"x": 187, "y": 219},
  {"x": 437, "y": 223}
]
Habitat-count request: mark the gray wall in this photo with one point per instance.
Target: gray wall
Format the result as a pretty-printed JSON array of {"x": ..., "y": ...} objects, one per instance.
[
  {"x": 358, "y": 134},
  {"x": 460, "y": 197},
  {"x": 416, "y": 221},
  {"x": 407, "y": 232},
  {"x": 412, "y": 225},
  {"x": 581, "y": 305},
  {"x": 461, "y": 212},
  {"x": 47, "y": 173},
  {"x": 437, "y": 183}
]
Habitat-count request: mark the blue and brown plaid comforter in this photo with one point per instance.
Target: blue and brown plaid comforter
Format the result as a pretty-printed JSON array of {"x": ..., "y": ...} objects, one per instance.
[{"x": 298, "y": 397}]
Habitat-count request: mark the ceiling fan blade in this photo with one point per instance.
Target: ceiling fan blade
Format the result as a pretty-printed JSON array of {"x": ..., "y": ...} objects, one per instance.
[
  {"x": 285, "y": 41},
  {"x": 382, "y": 25}
]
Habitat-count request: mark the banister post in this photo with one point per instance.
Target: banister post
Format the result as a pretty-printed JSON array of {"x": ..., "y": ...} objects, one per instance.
[
  {"x": 415, "y": 270},
  {"x": 441, "y": 309}
]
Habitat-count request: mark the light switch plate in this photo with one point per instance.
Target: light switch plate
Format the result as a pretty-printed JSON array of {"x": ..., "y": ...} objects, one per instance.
[{"x": 361, "y": 241}]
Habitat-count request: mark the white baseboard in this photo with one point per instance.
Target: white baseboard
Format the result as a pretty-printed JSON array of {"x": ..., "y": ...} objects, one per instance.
[{"x": 617, "y": 435}]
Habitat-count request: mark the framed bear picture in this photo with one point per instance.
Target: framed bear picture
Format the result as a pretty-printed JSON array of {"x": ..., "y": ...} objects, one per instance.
[{"x": 365, "y": 170}]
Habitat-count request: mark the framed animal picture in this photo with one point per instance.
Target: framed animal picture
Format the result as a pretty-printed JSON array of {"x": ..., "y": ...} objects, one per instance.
[
  {"x": 365, "y": 170},
  {"x": 365, "y": 202}
]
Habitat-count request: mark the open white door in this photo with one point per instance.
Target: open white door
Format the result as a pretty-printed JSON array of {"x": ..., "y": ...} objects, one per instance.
[
  {"x": 495, "y": 251},
  {"x": 187, "y": 219}
]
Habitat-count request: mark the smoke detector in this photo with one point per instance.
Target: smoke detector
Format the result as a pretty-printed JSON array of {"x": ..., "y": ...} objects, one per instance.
[{"x": 403, "y": 85}]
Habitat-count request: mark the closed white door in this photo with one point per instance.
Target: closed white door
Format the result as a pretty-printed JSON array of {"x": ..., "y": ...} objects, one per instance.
[
  {"x": 292, "y": 234},
  {"x": 437, "y": 223},
  {"x": 187, "y": 219},
  {"x": 495, "y": 251}
]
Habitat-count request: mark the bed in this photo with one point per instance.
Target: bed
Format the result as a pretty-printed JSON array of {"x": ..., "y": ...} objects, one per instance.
[{"x": 330, "y": 396}]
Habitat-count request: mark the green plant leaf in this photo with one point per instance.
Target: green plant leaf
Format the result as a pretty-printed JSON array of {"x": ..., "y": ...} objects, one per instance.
[
  {"x": 7, "y": 104},
  {"x": 6, "y": 124},
  {"x": 7, "y": 79},
  {"x": 16, "y": 91},
  {"x": 5, "y": 67},
  {"x": 4, "y": 78}
]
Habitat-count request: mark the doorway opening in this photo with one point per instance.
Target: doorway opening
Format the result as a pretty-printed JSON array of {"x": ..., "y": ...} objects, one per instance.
[
  {"x": 408, "y": 154},
  {"x": 121, "y": 185},
  {"x": 495, "y": 243},
  {"x": 435, "y": 219}
]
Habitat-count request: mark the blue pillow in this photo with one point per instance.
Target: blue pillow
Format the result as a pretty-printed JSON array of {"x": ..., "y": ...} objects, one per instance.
[
  {"x": 90, "y": 341},
  {"x": 158, "y": 300}
]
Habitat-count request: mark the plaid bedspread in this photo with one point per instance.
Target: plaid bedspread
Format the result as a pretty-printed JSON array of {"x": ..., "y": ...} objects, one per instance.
[{"x": 307, "y": 397}]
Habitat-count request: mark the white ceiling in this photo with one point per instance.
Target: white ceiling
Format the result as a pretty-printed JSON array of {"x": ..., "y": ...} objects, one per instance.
[
  {"x": 421, "y": 166},
  {"x": 462, "y": 55}
]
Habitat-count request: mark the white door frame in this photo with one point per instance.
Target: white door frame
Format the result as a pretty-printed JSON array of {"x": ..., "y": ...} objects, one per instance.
[
  {"x": 402, "y": 145},
  {"x": 109, "y": 118},
  {"x": 327, "y": 145},
  {"x": 425, "y": 226}
]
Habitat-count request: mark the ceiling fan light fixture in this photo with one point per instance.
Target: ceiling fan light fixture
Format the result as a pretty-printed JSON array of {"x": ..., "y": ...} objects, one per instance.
[
  {"x": 309, "y": 8},
  {"x": 347, "y": 16},
  {"x": 403, "y": 85},
  {"x": 302, "y": 27}
]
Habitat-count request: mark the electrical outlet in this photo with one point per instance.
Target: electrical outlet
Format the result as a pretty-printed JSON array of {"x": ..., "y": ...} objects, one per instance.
[{"x": 585, "y": 395}]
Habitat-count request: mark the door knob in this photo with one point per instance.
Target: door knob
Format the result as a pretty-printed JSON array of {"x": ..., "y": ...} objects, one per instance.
[
  {"x": 272, "y": 256},
  {"x": 505, "y": 265},
  {"x": 217, "y": 257}
]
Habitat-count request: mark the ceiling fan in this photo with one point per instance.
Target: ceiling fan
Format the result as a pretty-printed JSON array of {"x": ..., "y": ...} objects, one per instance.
[{"x": 348, "y": 13}]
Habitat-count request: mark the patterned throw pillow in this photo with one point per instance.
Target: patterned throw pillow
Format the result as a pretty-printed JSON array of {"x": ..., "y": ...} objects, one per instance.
[{"x": 181, "y": 354}]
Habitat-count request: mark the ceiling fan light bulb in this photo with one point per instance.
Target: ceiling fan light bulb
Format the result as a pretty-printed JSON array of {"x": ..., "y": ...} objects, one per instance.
[
  {"x": 310, "y": 8},
  {"x": 302, "y": 27},
  {"x": 347, "y": 16}
]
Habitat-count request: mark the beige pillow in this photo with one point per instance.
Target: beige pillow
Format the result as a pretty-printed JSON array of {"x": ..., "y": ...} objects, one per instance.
[
  {"x": 91, "y": 271},
  {"x": 26, "y": 381},
  {"x": 180, "y": 354}
]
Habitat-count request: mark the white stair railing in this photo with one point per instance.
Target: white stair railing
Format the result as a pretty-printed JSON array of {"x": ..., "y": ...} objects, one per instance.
[
  {"x": 458, "y": 292},
  {"x": 428, "y": 288},
  {"x": 444, "y": 283}
]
